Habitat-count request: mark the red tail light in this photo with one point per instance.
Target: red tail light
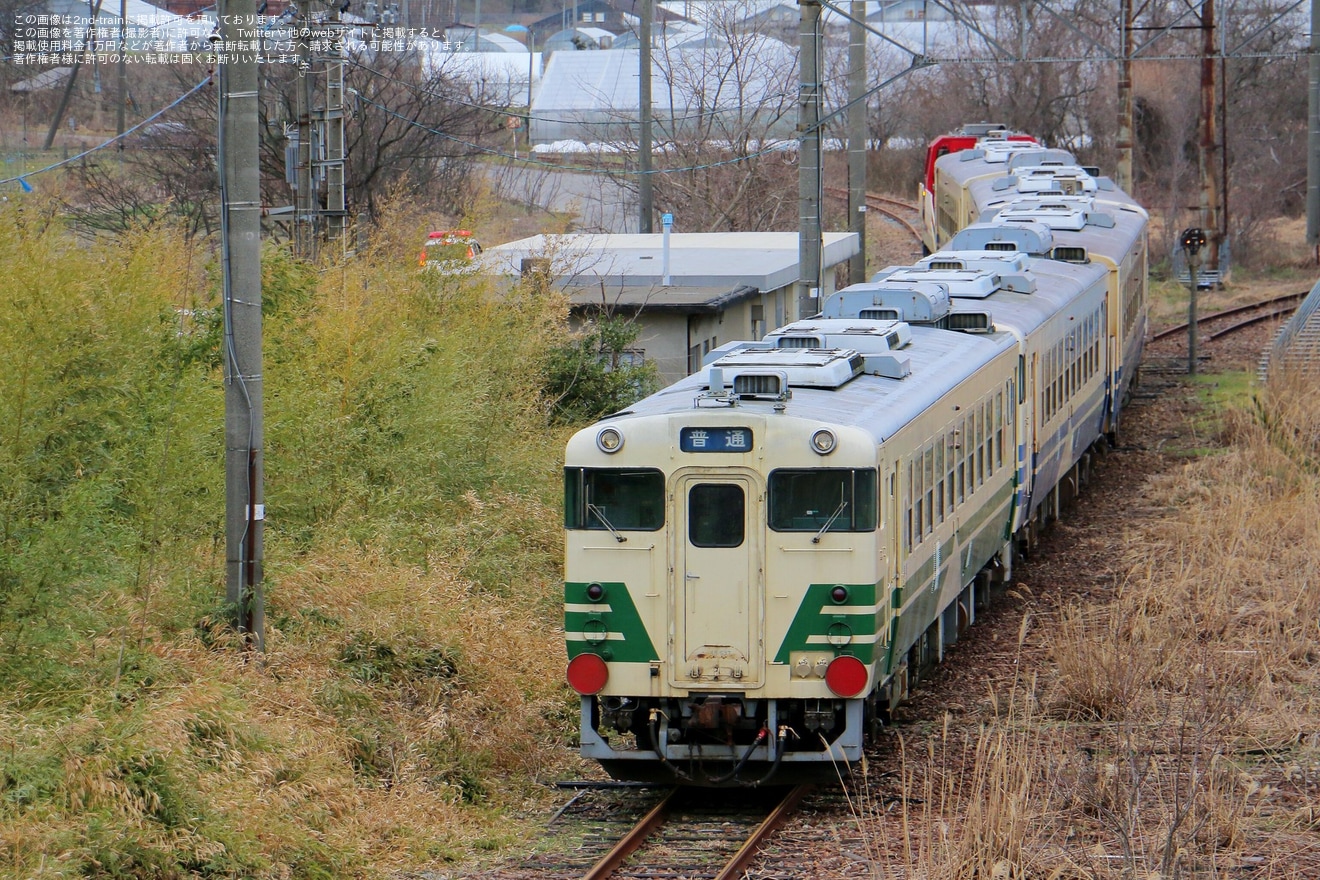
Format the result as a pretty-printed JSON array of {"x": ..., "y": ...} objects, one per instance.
[
  {"x": 587, "y": 674},
  {"x": 846, "y": 676}
]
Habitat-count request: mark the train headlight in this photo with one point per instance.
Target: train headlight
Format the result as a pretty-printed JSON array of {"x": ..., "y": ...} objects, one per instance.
[
  {"x": 609, "y": 440},
  {"x": 824, "y": 441},
  {"x": 595, "y": 592},
  {"x": 846, "y": 677},
  {"x": 587, "y": 674},
  {"x": 839, "y": 594}
]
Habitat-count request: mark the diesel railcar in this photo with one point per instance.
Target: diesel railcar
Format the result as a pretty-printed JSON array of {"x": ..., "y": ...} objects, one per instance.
[{"x": 762, "y": 557}]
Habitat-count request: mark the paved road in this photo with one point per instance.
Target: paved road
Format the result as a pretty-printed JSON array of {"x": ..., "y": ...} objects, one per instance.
[{"x": 600, "y": 203}]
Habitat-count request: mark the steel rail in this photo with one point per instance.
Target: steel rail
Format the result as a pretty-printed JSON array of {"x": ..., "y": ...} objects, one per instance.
[
  {"x": 1249, "y": 322},
  {"x": 878, "y": 202},
  {"x": 660, "y": 813},
  {"x": 631, "y": 841},
  {"x": 734, "y": 869},
  {"x": 1236, "y": 310}
]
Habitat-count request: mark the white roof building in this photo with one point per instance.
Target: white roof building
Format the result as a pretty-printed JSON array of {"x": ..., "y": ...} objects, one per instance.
[
  {"x": 707, "y": 289},
  {"x": 714, "y": 93},
  {"x": 500, "y": 78},
  {"x": 490, "y": 42}
]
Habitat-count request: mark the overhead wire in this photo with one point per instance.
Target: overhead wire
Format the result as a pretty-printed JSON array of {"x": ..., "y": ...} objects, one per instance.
[{"x": 111, "y": 141}]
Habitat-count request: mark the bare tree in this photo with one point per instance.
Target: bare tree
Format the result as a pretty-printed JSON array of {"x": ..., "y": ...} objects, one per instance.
[
  {"x": 724, "y": 121},
  {"x": 406, "y": 132},
  {"x": 731, "y": 104},
  {"x": 165, "y": 168}
]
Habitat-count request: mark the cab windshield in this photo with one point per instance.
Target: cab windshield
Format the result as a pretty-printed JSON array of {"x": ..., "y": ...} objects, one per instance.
[
  {"x": 614, "y": 499},
  {"x": 823, "y": 499}
]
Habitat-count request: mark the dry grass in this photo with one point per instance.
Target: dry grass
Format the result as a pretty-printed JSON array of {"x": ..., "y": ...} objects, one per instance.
[
  {"x": 410, "y": 706},
  {"x": 399, "y": 720},
  {"x": 1175, "y": 732}
]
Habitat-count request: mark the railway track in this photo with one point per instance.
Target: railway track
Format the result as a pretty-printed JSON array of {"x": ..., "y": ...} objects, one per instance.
[
  {"x": 696, "y": 832},
  {"x": 1217, "y": 325},
  {"x": 651, "y": 833},
  {"x": 905, "y": 214}
]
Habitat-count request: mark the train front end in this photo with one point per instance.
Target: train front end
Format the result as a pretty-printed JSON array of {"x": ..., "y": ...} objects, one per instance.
[{"x": 721, "y": 611}]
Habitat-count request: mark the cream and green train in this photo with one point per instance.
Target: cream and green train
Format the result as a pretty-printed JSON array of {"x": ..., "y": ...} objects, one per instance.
[{"x": 762, "y": 557}]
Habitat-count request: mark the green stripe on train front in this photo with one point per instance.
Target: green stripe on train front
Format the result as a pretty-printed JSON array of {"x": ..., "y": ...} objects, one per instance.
[
  {"x": 611, "y": 627},
  {"x": 821, "y": 624}
]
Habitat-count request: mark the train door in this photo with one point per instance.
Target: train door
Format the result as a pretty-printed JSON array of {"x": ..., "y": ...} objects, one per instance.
[
  {"x": 893, "y": 556},
  {"x": 1028, "y": 417},
  {"x": 718, "y": 585}
]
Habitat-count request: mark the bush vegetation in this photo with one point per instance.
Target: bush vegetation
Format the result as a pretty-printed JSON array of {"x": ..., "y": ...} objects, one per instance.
[{"x": 411, "y": 685}]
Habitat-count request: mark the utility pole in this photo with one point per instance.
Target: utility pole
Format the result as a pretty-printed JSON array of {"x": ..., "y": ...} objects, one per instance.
[
  {"x": 305, "y": 227},
  {"x": 1123, "y": 173},
  {"x": 320, "y": 207},
  {"x": 857, "y": 139},
  {"x": 645, "y": 196},
  {"x": 240, "y": 230},
  {"x": 1313, "y": 138},
  {"x": 123, "y": 69},
  {"x": 1209, "y": 166},
  {"x": 332, "y": 128},
  {"x": 809, "y": 193}
]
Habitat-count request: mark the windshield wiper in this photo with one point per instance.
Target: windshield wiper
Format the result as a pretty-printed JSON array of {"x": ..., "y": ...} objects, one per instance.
[
  {"x": 829, "y": 522},
  {"x": 600, "y": 515}
]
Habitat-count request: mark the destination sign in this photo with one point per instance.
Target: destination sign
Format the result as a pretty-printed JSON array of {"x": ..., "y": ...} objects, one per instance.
[{"x": 715, "y": 439}]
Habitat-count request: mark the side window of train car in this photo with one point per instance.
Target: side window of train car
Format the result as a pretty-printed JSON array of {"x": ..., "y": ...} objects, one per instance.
[
  {"x": 717, "y": 515},
  {"x": 842, "y": 499},
  {"x": 909, "y": 538},
  {"x": 940, "y": 510},
  {"x": 928, "y": 484},
  {"x": 951, "y": 463},
  {"x": 999, "y": 429},
  {"x": 612, "y": 499},
  {"x": 960, "y": 444}
]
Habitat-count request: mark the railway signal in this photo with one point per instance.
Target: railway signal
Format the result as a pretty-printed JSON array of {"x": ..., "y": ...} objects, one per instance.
[{"x": 1192, "y": 240}]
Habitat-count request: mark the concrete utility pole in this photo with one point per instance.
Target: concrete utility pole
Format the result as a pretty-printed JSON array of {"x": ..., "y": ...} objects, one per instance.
[
  {"x": 123, "y": 68},
  {"x": 1123, "y": 172},
  {"x": 240, "y": 229},
  {"x": 305, "y": 229},
  {"x": 1313, "y": 138},
  {"x": 809, "y": 191},
  {"x": 332, "y": 127},
  {"x": 1209, "y": 164},
  {"x": 645, "y": 197},
  {"x": 857, "y": 138},
  {"x": 319, "y": 203}
]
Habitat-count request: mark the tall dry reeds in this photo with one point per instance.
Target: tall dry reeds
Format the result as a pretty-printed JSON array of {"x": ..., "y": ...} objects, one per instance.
[{"x": 1173, "y": 734}]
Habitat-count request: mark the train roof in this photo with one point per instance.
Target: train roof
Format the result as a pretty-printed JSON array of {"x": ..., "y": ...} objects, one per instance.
[
  {"x": 1015, "y": 182},
  {"x": 875, "y": 375},
  {"x": 1103, "y": 229},
  {"x": 1015, "y": 290},
  {"x": 1020, "y": 169},
  {"x": 998, "y": 157}
]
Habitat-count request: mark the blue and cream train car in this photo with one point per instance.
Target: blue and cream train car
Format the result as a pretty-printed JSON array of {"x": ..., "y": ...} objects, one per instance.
[{"x": 1008, "y": 182}]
